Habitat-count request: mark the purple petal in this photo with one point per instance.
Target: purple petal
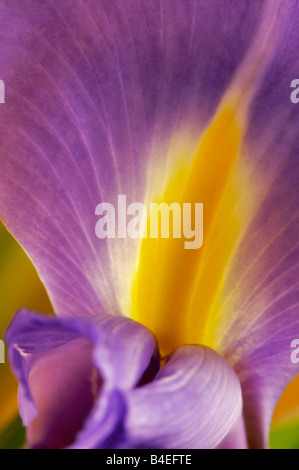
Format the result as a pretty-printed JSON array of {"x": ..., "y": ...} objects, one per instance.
[
  {"x": 68, "y": 367},
  {"x": 260, "y": 296},
  {"x": 261, "y": 312},
  {"x": 236, "y": 437},
  {"x": 193, "y": 402},
  {"x": 92, "y": 91}
]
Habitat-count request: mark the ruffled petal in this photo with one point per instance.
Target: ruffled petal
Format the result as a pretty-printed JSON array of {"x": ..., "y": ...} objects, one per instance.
[{"x": 66, "y": 368}]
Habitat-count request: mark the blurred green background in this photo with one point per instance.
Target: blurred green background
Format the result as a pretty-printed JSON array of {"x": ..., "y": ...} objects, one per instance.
[{"x": 20, "y": 287}]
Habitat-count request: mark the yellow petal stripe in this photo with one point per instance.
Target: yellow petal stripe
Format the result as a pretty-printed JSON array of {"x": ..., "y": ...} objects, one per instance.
[{"x": 176, "y": 290}]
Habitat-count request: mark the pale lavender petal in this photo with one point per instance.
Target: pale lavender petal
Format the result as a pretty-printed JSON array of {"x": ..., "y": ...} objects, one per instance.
[
  {"x": 193, "y": 402},
  {"x": 237, "y": 436}
]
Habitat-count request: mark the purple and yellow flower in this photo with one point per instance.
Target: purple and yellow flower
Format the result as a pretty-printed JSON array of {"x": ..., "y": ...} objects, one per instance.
[{"x": 152, "y": 345}]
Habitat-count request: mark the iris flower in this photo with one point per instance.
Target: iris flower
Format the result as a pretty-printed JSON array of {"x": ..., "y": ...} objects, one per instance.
[{"x": 152, "y": 345}]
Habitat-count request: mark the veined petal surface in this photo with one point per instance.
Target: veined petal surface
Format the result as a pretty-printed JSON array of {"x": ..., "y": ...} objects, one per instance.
[{"x": 94, "y": 95}]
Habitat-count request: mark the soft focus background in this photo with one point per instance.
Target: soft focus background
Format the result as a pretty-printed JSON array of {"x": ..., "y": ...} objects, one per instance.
[{"x": 20, "y": 287}]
